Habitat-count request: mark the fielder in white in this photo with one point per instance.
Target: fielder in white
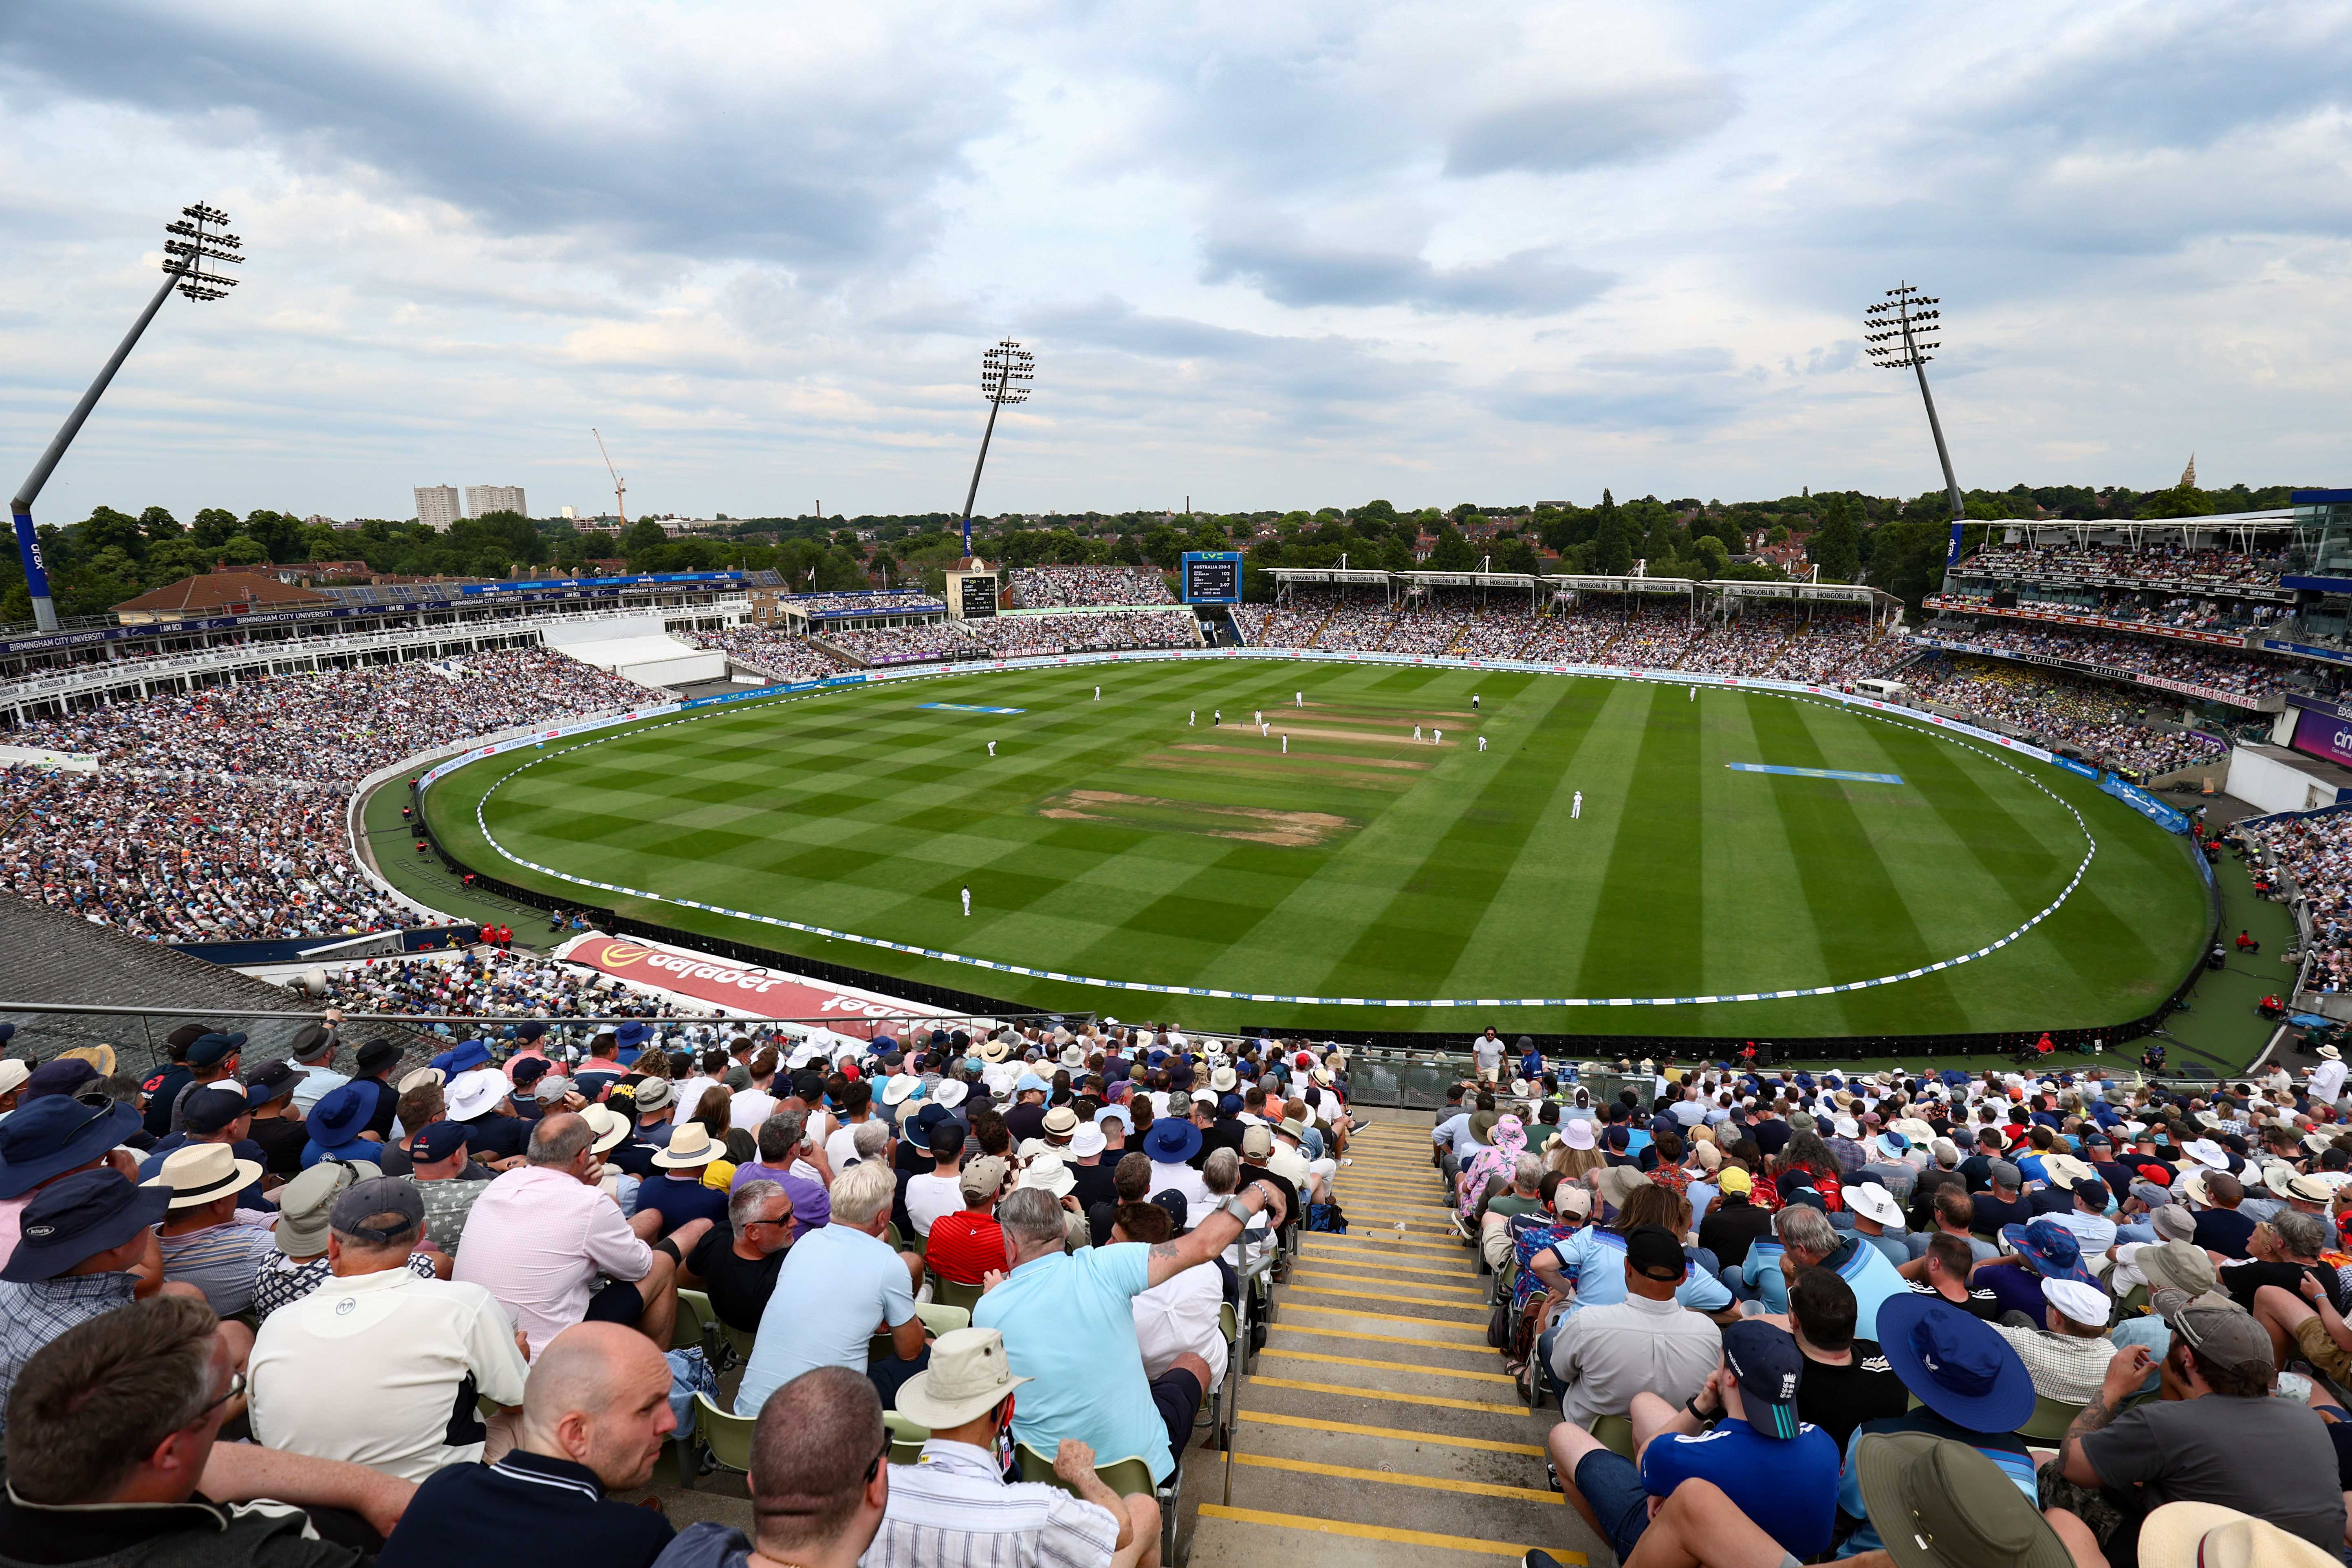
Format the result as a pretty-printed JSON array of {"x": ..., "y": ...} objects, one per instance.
[
  {"x": 1482, "y": 742},
  {"x": 1299, "y": 698},
  {"x": 967, "y": 899},
  {"x": 1285, "y": 745},
  {"x": 1416, "y": 731},
  {"x": 991, "y": 748},
  {"x": 1097, "y": 693},
  {"x": 1576, "y": 806},
  {"x": 1191, "y": 718},
  {"x": 1437, "y": 738}
]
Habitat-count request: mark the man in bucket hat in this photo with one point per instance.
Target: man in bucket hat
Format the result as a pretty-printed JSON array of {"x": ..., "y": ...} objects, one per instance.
[
  {"x": 82, "y": 1236},
  {"x": 52, "y": 1139},
  {"x": 954, "y": 1501}
]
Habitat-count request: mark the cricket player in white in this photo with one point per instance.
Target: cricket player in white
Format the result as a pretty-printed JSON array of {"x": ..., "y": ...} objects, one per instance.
[
  {"x": 1473, "y": 703},
  {"x": 1416, "y": 731},
  {"x": 1299, "y": 698},
  {"x": 991, "y": 748},
  {"x": 1264, "y": 728},
  {"x": 1097, "y": 693},
  {"x": 967, "y": 900},
  {"x": 1437, "y": 738},
  {"x": 1191, "y": 718},
  {"x": 1482, "y": 742},
  {"x": 1285, "y": 745},
  {"x": 1576, "y": 806}
]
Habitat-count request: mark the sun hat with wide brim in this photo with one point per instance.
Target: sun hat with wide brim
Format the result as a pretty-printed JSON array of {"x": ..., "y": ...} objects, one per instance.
[
  {"x": 951, "y": 1093},
  {"x": 1873, "y": 1202},
  {"x": 967, "y": 1378},
  {"x": 2207, "y": 1535},
  {"x": 1615, "y": 1183},
  {"x": 691, "y": 1147},
  {"x": 1955, "y": 1364},
  {"x": 1171, "y": 1141},
  {"x": 475, "y": 1093},
  {"x": 610, "y": 1127},
  {"x": 52, "y": 1136},
  {"x": 1049, "y": 1171},
  {"x": 1577, "y": 1134},
  {"x": 305, "y": 1203},
  {"x": 204, "y": 1173},
  {"x": 1937, "y": 1503}
]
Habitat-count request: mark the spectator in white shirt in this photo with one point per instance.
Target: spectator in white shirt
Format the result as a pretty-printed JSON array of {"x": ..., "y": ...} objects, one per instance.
[
  {"x": 377, "y": 1366},
  {"x": 1180, "y": 1316},
  {"x": 710, "y": 1072},
  {"x": 858, "y": 1110},
  {"x": 935, "y": 1196},
  {"x": 757, "y": 1101}
]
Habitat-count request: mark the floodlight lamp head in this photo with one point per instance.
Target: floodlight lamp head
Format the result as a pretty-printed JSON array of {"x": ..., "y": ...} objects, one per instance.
[
  {"x": 1005, "y": 372},
  {"x": 201, "y": 236}
]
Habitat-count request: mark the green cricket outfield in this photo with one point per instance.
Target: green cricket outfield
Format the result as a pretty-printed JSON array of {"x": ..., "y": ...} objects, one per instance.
[{"x": 1728, "y": 844}]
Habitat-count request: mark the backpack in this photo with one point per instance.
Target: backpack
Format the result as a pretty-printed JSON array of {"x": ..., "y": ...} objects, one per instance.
[{"x": 1326, "y": 1217}]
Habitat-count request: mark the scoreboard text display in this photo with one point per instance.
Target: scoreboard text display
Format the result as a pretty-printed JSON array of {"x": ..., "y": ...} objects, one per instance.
[
  {"x": 977, "y": 595},
  {"x": 1212, "y": 577}
]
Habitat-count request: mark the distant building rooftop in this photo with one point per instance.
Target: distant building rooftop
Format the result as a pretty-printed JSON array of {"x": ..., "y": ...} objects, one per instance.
[{"x": 230, "y": 592}]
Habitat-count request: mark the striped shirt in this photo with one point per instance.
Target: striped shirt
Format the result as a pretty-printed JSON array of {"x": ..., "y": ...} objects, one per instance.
[
  {"x": 223, "y": 1260},
  {"x": 952, "y": 1509}
]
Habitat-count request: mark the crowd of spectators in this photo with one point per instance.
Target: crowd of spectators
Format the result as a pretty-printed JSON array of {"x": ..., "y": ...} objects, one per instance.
[
  {"x": 775, "y": 653},
  {"x": 901, "y": 645},
  {"x": 2310, "y": 858},
  {"x": 2060, "y": 710},
  {"x": 1785, "y": 1317},
  {"x": 491, "y": 982},
  {"x": 872, "y": 602},
  {"x": 218, "y": 814},
  {"x": 1011, "y": 636},
  {"x": 1071, "y": 587},
  {"x": 2213, "y": 670},
  {"x": 1428, "y": 621},
  {"x": 449, "y": 1321},
  {"x": 2173, "y": 612},
  {"x": 2149, "y": 566}
]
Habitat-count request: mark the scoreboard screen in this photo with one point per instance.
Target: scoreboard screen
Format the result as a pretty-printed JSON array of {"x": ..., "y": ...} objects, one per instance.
[
  {"x": 1212, "y": 577},
  {"x": 976, "y": 594}
]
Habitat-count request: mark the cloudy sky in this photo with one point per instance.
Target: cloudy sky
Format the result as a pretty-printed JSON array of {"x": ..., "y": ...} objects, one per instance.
[{"x": 1292, "y": 255}]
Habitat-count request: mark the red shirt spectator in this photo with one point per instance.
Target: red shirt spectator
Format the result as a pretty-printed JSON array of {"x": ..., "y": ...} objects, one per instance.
[{"x": 963, "y": 1247}]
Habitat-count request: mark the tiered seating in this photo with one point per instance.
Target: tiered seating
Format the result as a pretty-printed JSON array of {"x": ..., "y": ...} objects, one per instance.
[
  {"x": 2060, "y": 709},
  {"x": 1064, "y": 587}
]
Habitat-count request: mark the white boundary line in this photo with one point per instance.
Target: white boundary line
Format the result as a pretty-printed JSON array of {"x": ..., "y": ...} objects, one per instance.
[{"x": 991, "y": 965}]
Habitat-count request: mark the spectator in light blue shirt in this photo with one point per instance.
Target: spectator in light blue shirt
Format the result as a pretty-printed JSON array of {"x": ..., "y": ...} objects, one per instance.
[{"x": 836, "y": 1285}]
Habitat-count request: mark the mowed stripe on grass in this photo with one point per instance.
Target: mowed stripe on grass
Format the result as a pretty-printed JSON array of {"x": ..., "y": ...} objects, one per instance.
[{"x": 863, "y": 811}]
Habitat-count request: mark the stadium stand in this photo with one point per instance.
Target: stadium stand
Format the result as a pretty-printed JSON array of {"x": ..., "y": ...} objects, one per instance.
[
  {"x": 491, "y": 982},
  {"x": 2218, "y": 671},
  {"x": 1012, "y": 636},
  {"x": 2096, "y": 720},
  {"x": 774, "y": 653},
  {"x": 1074, "y": 587}
]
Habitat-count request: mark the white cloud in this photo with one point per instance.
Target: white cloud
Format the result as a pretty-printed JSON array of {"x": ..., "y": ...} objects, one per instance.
[{"x": 1268, "y": 256}]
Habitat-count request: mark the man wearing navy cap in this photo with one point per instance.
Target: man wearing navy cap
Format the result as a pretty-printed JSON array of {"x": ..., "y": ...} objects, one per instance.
[
  {"x": 82, "y": 1236},
  {"x": 417, "y": 1355},
  {"x": 162, "y": 1087},
  {"x": 214, "y": 1113},
  {"x": 51, "y": 1139},
  {"x": 438, "y": 1156},
  {"x": 212, "y": 1059},
  {"x": 1781, "y": 1471}
]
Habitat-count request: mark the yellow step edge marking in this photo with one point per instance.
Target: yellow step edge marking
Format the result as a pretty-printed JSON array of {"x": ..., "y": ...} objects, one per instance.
[
  {"x": 1399, "y": 1208},
  {"x": 1376, "y": 1295},
  {"x": 1376, "y": 1279},
  {"x": 1379, "y": 1532},
  {"x": 1429, "y": 1400},
  {"x": 1359, "y": 1262},
  {"x": 1383, "y": 1241},
  {"x": 1388, "y": 1365},
  {"x": 1399, "y": 1478},
  {"x": 1315, "y": 1423},
  {"x": 1477, "y": 1333},
  {"x": 1380, "y": 1339}
]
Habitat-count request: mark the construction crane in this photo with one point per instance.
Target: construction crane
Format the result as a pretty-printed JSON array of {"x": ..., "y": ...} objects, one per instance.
[{"x": 619, "y": 490}]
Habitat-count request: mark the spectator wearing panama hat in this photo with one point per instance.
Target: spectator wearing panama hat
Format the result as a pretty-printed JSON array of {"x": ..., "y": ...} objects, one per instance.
[
  {"x": 675, "y": 1190},
  {"x": 953, "y": 1504},
  {"x": 206, "y": 1241}
]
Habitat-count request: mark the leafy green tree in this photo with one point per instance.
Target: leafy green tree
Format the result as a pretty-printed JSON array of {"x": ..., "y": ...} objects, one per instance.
[
  {"x": 639, "y": 541},
  {"x": 1393, "y": 554},
  {"x": 2181, "y": 501},
  {"x": 1378, "y": 512},
  {"x": 157, "y": 525},
  {"x": 107, "y": 529},
  {"x": 1451, "y": 553},
  {"x": 1836, "y": 544},
  {"x": 1712, "y": 554},
  {"x": 1516, "y": 554},
  {"x": 1612, "y": 539},
  {"x": 242, "y": 550}
]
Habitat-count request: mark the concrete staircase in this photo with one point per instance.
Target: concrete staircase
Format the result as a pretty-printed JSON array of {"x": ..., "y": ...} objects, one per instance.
[{"x": 1377, "y": 1428}]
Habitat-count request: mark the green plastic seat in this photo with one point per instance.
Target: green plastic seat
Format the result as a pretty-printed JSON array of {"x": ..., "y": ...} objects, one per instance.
[
  {"x": 1615, "y": 1432},
  {"x": 726, "y": 1436},
  {"x": 949, "y": 1294},
  {"x": 2048, "y": 1421},
  {"x": 907, "y": 1439}
]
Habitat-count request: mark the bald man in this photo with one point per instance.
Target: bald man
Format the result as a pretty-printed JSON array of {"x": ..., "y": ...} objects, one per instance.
[
  {"x": 596, "y": 1414},
  {"x": 819, "y": 1480}
]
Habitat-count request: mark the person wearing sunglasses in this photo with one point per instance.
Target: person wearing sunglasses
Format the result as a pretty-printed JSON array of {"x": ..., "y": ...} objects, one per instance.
[{"x": 114, "y": 1452}]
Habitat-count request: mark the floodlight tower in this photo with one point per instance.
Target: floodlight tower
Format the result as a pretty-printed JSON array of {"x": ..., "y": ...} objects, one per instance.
[
  {"x": 201, "y": 236},
  {"x": 1903, "y": 315},
  {"x": 1005, "y": 373}
]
